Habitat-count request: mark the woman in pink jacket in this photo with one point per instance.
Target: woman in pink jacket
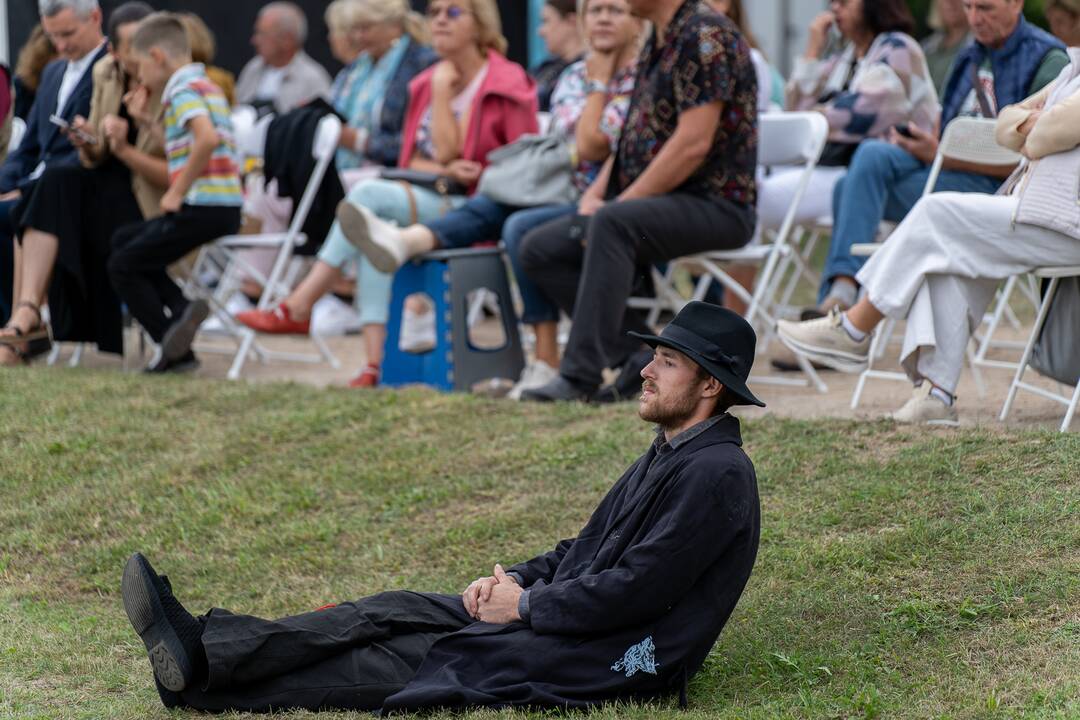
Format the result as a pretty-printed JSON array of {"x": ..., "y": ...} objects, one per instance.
[{"x": 471, "y": 102}]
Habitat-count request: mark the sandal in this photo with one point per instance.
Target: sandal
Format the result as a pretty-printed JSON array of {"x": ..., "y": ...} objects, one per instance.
[{"x": 39, "y": 332}]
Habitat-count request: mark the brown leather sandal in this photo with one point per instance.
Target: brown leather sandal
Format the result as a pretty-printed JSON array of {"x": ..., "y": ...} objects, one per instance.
[{"x": 39, "y": 332}]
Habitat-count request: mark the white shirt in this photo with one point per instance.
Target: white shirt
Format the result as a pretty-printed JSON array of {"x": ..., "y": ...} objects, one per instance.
[{"x": 270, "y": 83}]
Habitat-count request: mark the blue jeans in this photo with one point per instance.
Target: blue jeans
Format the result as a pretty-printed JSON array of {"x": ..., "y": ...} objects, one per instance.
[
  {"x": 883, "y": 182},
  {"x": 482, "y": 219}
]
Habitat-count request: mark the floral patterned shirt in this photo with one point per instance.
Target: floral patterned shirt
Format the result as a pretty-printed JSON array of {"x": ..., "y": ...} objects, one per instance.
[
  {"x": 702, "y": 59},
  {"x": 568, "y": 102}
]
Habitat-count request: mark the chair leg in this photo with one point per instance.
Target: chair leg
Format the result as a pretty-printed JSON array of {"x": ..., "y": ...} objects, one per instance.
[
  {"x": 995, "y": 319},
  {"x": 1044, "y": 309},
  {"x": 76, "y": 355},
  {"x": 877, "y": 349},
  {"x": 1072, "y": 409}
]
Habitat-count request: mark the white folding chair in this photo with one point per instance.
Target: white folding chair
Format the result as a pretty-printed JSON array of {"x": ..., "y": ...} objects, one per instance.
[
  {"x": 785, "y": 139},
  {"x": 1071, "y": 402},
  {"x": 967, "y": 139},
  {"x": 226, "y": 254}
]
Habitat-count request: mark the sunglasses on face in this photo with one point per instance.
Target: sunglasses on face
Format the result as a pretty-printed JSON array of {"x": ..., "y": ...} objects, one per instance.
[{"x": 452, "y": 12}]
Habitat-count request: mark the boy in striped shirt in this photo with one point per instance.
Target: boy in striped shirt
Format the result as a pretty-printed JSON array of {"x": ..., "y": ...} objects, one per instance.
[{"x": 202, "y": 203}]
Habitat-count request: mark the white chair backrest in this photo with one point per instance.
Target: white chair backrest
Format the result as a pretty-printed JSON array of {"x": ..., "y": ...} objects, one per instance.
[
  {"x": 791, "y": 138},
  {"x": 969, "y": 139},
  {"x": 543, "y": 119},
  {"x": 18, "y": 131},
  {"x": 323, "y": 149}
]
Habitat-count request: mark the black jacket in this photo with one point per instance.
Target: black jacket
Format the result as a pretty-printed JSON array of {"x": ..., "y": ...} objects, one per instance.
[
  {"x": 631, "y": 607},
  {"x": 289, "y": 160}
]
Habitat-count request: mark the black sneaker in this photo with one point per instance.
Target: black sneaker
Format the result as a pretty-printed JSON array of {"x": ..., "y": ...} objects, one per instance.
[
  {"x": 170, "y": 633},
  {"x": 561, "y": 389},
  {"x": 176, "y": 343},
  {"x": 161, "y": 364}
]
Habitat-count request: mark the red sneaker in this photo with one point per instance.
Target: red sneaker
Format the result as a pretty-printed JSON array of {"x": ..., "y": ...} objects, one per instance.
[
  {"x": 274, "y": 322},
  {"x": 368, "y": 377}
]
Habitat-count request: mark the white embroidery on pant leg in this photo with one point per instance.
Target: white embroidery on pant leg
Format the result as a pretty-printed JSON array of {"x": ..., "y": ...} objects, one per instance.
[{"x": 640, "y": 657}]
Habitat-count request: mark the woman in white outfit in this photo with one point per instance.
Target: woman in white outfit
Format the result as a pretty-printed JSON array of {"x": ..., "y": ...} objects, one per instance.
[{"x": 942, "y": 265}]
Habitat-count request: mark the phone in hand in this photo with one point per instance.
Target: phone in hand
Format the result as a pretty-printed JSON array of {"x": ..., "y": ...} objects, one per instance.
[
  {"x": 904, "y": 130},
  {"x": 65, "y": 125}
]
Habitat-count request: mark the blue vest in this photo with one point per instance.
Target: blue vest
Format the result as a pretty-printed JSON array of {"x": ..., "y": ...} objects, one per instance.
[{"x": 1014, "y": 66}]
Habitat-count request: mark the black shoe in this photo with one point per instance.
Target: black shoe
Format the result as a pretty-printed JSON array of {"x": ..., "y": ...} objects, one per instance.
[
  {"x": 170, "y": 633},
  {"x": 178, "y": 338},
  {"x": 627, "y": 384},
  {"x": 560, "y": 389},
  {"x": 187, "y": 363}
]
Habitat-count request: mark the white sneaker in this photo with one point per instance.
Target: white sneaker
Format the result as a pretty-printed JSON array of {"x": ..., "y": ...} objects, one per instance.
[
  {"x": 379, "y": 240},
  {"x": 925, "y": 409},
  {"x": 417, "y": 332},
  {"x": 536, "y": 374},
  {"x": 826, "y": 341},
  {"x": 237, "y": 304},
  {"x": 331, "y": 316}
]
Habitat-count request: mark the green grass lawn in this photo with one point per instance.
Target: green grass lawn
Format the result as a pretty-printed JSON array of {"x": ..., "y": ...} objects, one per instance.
[{"x": 902, "y": 573}]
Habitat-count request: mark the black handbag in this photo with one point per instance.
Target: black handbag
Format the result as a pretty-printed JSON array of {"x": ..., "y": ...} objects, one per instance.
[{"x": 436, "y": 182}]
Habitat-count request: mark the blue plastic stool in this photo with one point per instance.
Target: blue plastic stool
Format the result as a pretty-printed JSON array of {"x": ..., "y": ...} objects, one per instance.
[{"x": 448, "y": 276}]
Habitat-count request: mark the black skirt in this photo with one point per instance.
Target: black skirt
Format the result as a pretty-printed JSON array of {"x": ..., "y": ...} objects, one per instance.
[{"x": 82, "y": 208}]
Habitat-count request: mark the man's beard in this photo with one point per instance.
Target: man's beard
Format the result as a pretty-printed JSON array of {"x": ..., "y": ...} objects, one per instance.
[{"x": 668, "y": 410}]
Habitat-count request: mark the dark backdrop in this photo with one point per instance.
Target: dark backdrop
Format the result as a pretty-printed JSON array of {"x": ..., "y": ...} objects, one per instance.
[{"x": 232, "y": 20}]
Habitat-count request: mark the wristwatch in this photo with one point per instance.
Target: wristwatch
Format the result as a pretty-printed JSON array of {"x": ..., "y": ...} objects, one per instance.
[{"x": 596, "y": 86}]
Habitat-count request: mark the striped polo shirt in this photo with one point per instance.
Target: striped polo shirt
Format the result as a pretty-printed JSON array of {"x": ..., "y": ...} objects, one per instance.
[{"x": 189, "y": 94}]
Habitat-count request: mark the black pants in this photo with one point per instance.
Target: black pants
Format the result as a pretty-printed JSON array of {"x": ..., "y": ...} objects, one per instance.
[
  {"x": 348, "y": 657},
  {"x": 622, "y": 241},
  {"x": 142, "y": 252}
]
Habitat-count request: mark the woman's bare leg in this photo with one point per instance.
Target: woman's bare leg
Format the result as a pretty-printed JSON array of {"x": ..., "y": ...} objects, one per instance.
[
  {"x": 547, "y": 343},
  {"x": 314, "y": 285},
  {"x": 374, "y": 343},
  {"x": 864, "y": 316}
]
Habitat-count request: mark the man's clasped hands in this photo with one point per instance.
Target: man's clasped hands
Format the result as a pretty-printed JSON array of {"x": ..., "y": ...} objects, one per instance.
[{"x": 493, "y": 599}]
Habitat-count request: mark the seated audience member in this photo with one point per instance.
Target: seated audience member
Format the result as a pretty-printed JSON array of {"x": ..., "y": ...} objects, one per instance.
[
  {"x": 203, "y": 50},
  {"x": 877, "y": 79},
  {"x": 1064, "y": 19},
  {"x": 951, "y": 35},
  {"x": 7, "y": 106},
  {"x": 74, "y": 26},
  {"x": 281, "y": 75},
  {"x": 72, "y": 212},
  {"x": 470, "y": 103},
  {"x": 34, "y": 57},
  {"x": 1009, "y": 60},
  {"x": 626, "y": 612},
  {"x": 681, "y": 183},
  {"x": 560, "y": 29},
  {"x": 588, "y": 110},
  {"x": 942, "y": 265},
  {"x": 770, "y": 82},
  {"x": 201, "y": 204}
]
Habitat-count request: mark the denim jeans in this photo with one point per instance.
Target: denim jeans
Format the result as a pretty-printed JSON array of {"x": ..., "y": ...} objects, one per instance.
[
  {"x": 390, "y": 201},
  {"x": 482, "y": 219},
  {"x": 883, "y": 182}
]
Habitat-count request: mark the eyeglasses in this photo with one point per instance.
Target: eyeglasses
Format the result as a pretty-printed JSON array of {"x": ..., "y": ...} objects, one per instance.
[
  {"x": 614, "y": 10},
  {"x": 452, "y": 12}
]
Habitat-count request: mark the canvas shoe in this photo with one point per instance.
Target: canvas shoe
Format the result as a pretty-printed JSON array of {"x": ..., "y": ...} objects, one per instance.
[
  {"x": 925, "y": 409},
  {"x": 417, "y": 332},
  {"x": 536, "y": 374},
  {"x": 825, "y": 341},
  {"x": 378, "y": 240}
]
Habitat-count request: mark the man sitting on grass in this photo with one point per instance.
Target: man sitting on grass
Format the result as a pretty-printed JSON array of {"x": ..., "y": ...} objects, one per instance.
[{"x": 626, "y": 611}]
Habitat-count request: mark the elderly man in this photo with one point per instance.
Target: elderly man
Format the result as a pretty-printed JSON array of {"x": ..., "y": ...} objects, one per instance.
[
  {"x": 74, "y": 27},
  {"x": 680, "y": 183},
  {"x": 281, "y": 75},
  {"x": 1009, "y": 60},
  {"x": 627, "y": 610}
]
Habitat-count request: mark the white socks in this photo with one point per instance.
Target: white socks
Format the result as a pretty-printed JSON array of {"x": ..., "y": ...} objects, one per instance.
[
  {"x": 942, "y": 396},
  {"x": 853, "y": 332}
]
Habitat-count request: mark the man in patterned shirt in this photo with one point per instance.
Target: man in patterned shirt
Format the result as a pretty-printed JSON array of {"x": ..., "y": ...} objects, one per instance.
[
  {"x": 682, "y": 182},
  {"x": 202, "y": 203}
]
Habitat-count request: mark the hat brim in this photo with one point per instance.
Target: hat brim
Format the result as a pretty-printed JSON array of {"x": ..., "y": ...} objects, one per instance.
[{"x": 735, "y": 384}]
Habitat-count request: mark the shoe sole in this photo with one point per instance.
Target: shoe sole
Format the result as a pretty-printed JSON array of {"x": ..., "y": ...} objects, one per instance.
[
  {"x": 843, "y": 362},
  {"x": 181, "y": 334},
  {"x": 171, "y": 665},
  {"x": 934, "y": 423},
  {"x": 354, "y": 226}
]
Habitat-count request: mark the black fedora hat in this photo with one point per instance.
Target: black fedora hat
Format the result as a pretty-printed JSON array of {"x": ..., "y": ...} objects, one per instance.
[{"x": 718, "y": 340}]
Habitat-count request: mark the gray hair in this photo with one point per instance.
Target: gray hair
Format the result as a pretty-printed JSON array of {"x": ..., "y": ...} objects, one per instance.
[
  {"x": 291, "y": 19},
  {"x": 82, "y": 8}
]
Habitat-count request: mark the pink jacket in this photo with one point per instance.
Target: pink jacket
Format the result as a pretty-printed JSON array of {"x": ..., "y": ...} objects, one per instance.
[{"x": 505, "y": 108}]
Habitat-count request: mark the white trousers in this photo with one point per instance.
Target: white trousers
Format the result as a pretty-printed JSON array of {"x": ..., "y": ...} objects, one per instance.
[
  {"x": 776, "y": 190},
  {"x": 940, "y": 268}
]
